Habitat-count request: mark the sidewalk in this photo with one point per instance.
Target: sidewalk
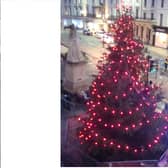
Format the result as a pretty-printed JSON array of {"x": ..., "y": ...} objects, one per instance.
[
  {"x": 157, "y": 51},
  {"x": 162, "y": 81}
]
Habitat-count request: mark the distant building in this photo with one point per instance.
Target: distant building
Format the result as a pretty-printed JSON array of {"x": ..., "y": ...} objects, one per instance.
[
  {"x": 152, "y": 25},
  {"x": 94, "y": 14}
]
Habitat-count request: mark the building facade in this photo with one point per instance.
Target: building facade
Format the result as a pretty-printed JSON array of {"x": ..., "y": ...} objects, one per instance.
[
  {"x": 151, "y": 24},
  {"x": 94, "y": 14}
]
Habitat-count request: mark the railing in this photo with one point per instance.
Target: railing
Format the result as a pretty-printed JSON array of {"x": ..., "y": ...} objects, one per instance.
[
  {"x": 91, "y": 15},
  {"x": 142, "y": 18}
]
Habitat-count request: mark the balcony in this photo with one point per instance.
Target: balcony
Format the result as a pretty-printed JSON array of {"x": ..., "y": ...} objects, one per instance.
[
  {"x": 142, "y": 18},
  {"x": 152, "y": 20},
  {"x": 91, "y": 15},
  {"x": 77, "y": 6},
  {"x": 97, "y": 6}
]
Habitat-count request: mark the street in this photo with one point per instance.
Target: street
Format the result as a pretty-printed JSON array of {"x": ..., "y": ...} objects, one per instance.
[{"x": 93, "y": 48}]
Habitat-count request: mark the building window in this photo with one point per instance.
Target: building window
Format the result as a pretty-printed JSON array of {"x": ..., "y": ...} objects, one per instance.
[
  {"x": 153, "y": 3},
  {"x": 152, "y": 16},
  {"x": 145, "y": 3},
  {"x": 101, "y": 2},
  {"x": 70, "y": 11},
  {"x": 65, "y": 9},
  {"x": 137, "y": 11},
  {"x": 161, "y": 19},
  {"x": 142, "y": 32},
  {"x": 111, "y": 11},
  {"x": 162, "y": 3},
  {"x": 87, "y": 9},
  {"x": 149, "y": 34},
  {"x": 161, "y": 39},
  {"x": 137, "y": 30},
  {"x": 99, "y": 11},
  {"x": 144, "y": 15}
]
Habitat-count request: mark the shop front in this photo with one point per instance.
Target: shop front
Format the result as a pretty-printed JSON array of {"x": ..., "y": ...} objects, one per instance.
[{"x": 161, "y": 36}]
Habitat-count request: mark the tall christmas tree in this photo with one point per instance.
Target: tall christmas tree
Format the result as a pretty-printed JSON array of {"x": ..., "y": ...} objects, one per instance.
[{"x": 122, "y": 123}]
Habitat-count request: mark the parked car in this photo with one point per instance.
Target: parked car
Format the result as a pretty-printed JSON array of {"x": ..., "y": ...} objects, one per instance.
[
  {"x": 87, "y": 32},
  {"x": 107, "y": 39},
  {"x": 100, "y": 34}
]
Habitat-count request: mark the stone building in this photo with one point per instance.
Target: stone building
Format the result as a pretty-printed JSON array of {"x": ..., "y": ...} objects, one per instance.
[
  {"x": 94, "y": 14},
  {"x": 152, "y": 25}
]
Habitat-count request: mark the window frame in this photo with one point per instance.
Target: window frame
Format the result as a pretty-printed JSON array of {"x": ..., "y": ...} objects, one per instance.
[
  {"x": 144, "y": 15},
  {"x": 162, "y": 3},
  {"x": 152, "y": 16},
  {"x": 161, "y": 19},
  {"x": 153, "y": 3},
  {"x": 145, "y": 3}
]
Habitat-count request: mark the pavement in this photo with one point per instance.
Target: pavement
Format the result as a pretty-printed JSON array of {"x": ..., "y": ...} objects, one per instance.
[
  {"x": 160, "y": 77},
  {"x": 157, "y": 51}
]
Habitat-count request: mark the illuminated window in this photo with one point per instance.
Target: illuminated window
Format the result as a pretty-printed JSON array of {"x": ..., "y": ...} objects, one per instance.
[{"x": 161, "y": 40}]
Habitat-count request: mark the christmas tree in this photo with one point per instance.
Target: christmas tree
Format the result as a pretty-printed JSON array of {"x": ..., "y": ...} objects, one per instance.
[{"x": 122, "y": 123}]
